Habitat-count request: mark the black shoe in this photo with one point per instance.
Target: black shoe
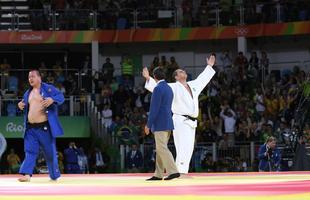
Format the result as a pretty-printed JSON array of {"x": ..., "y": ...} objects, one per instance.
[
  {"x": 172, "y": 176},
  {"x": 154, "y": 178}
]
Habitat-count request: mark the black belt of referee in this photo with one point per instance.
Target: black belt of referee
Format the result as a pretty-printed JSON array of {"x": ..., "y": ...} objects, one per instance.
[
  {"x": 189, "y": 117},
  {"x": 38, "y": 125}
]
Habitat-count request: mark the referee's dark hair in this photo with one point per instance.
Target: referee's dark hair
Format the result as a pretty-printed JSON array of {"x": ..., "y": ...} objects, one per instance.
[{"x": 159, "y": 73}]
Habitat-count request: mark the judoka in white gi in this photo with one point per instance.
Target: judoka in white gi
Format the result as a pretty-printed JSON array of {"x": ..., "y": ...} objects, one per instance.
[{"x": 185, "y": 109}]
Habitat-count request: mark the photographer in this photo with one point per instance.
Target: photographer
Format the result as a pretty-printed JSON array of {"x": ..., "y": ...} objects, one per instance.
[{"x": 269, "y": 156}]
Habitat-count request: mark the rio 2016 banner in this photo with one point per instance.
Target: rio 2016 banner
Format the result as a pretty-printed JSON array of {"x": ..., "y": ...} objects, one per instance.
[
  {"x": 77, "y": 127},
  {"x": 154, "y": 34}
]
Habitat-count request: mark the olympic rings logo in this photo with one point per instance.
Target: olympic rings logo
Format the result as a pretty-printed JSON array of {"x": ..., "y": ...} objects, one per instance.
[{"x": 241, "y": 31}]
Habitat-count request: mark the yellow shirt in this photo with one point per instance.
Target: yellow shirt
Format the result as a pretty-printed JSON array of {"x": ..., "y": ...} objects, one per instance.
[{"x": 13, "y": 159}]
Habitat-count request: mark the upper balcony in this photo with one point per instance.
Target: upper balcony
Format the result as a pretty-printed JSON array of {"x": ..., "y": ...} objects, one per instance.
[{"x": 205, "y": 15}]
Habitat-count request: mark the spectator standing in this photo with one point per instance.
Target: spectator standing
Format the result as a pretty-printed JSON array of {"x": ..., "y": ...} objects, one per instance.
[
  {"x": 163, "y": 62},
  {"x": 98, "y": 161},
  {"x": 87, "y": 74},
  {"x": 259, "y": 100},
  {"x": 107, "y": 114},
  {"x": 154, "y": 64},
  {"x": 254, "y": 60},
  {"x": 83, "y": 161},
  {"x": 226, "y": 61},
  {"x": 241, "y": 63},
  {"x": 134, "y": 160},
  {"x": 229, "y": 117},
  {"x": 108, "y": 70},
  {"x": 13, "y": 161},
  {"x": 173, "y": 65},
  {"x": 128, "y": 73},
  {"x": 216, "y": 125},
  {"x": 71, "y": 159},
  {"x": 106, "y": 95},
  {"x": 61, "y": 165},
  {"x": 5, "y": 66},
  {"x": 4, "y": 70}
]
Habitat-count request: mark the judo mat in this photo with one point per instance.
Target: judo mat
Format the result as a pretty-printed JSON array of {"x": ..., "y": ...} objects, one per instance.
[{"x": 215, "y": 186}]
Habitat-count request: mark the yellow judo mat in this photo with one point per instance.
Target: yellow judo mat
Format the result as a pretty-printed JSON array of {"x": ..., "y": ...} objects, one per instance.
[{"x": 216, "y": 186}]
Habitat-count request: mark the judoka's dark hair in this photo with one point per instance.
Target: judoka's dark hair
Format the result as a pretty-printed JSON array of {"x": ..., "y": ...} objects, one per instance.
[
  {"x": 175, "y": 73},
  {"x": 36, "y": 70},
  {"x": 159, "y": 73}
]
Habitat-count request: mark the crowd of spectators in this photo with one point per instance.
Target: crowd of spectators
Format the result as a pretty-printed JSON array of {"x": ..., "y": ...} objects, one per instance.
[
  {"x": 72, "y": 160},
  {"x": 254, "y": 11},
  {"x": 119, "y": 14},
  {"x": 245, "y": 102},
  {"x": 110, "y": 14}
]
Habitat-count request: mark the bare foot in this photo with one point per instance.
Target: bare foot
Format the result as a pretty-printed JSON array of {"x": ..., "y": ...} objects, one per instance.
[{"x": 25, "y": 178}]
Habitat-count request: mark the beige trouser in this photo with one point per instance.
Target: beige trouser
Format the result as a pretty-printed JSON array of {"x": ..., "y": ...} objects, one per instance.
[{"x": 164, "y": 158}]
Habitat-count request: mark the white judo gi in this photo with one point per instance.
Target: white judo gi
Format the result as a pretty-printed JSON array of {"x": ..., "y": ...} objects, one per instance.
[{"x": 184, "y": 104}]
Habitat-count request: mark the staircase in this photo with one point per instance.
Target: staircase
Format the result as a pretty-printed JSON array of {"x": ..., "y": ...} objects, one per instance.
[{"x": 15, "y": 15}]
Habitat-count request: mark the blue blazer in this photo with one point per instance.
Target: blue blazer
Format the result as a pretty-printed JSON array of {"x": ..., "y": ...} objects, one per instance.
[
  {"x": 275, "y": 159},
  {"x": 136, "y": 161},
  {"x": 160, "y": 115},
  {"x": 52, "y": 111}
]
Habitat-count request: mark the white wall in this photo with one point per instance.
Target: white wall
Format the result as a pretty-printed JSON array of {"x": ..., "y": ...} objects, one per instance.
[
  {"x": 182, "y": 58},
  {"x": 148, "y": 59},
  {"x": 294, "y": 50}
]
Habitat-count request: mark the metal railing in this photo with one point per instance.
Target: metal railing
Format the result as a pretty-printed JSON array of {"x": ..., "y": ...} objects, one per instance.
[
  {"x": 80, "y": 80},
  {"x": 97, "y": 123},
  {"x": 160, "y": 17},
  {"x": 246, "y": 152},
  {"x": 72, "y": 106}
]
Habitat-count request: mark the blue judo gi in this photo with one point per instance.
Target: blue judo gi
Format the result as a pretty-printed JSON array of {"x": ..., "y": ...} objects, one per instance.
[{"x": 43, "y": 136}]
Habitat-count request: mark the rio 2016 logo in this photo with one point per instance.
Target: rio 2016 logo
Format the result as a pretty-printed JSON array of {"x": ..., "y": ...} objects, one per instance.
[{"x": 11, "y": 127}]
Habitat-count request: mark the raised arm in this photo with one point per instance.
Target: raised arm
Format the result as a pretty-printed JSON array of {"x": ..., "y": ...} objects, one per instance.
[
  {"x": 204, "y": 78},
  {"x": 150, "y": 83}
]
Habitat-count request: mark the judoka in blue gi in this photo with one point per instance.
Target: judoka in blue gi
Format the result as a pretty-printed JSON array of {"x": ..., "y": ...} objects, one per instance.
[{"x": 41, "y": 124}]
